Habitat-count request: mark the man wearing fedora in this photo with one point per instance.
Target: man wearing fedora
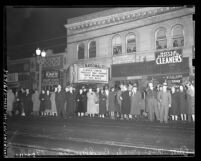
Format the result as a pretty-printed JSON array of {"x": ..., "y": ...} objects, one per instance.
[
  {"x": 152, "y": 102},
  {"x": 164, "y": 98}
]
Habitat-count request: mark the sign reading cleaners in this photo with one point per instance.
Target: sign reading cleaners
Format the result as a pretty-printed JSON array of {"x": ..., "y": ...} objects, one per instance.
[
  {"x": 168, "y": 57},
  {"x": 93, "y": 74}
]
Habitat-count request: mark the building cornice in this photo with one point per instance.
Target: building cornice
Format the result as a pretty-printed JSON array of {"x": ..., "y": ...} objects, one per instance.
[{"x": 114, "y": 19}]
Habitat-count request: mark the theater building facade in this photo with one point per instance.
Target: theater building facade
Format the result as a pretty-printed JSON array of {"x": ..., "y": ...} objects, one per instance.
[{"x": 123, "y": 45}]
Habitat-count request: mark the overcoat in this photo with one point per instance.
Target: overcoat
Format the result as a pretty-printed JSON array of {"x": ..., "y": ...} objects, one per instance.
[
  {"x": 10, "y": 100},
  {"x": 112, "y": 101},
  {"x": 174, "y": 110},
  {"x": 183, "y": 102},
  {"x": 135, "y": 103},
  {"x": 47, "y": 102},
  {"x": 91, "y": 106},
  {"x": 80, "y": 102},
  {"x": 28, "y": 104},
  {"x": 36, "y": 101},
  {"x": 125, "y": 102},
  {"x": 53, "y": 102},
  {"x": 102, "y": 103},
  {"x": 42, "y": 102},
  {"x": 191, "y": 101}
]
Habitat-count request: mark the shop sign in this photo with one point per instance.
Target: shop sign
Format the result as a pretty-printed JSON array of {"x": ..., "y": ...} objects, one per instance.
[
  {"x": 92, "y": 74},
  {"x": 168, "y": 57},
  {"x": 51, "y": 74},
  {"x": 123, "y": 59},
  {"x": 12, "y": 77}
]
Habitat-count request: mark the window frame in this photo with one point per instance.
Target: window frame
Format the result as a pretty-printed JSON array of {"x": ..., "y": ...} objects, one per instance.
[
  {"x": 131, "y": 33},
  {"x": 156, "y": 32},
  {"x": 172, "y": 35},
  {"x": 115, "y": 36},
  {"x": 89, "y": 48},
  {"x": 78, "y": 51}
]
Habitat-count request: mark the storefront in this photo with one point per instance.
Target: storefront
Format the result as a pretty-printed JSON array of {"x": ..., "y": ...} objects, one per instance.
[
  {"x": 168, "y": 65},
  {"x": 52, "y": 74},
  {"x": 19, "y": 75}
]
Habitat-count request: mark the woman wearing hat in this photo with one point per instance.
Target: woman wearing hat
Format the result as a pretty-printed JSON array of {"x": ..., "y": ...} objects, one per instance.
[
  {"x": 112, "y": 103},
  {"x": 182, "y": 103},
  {"x": 102, "y": 103},
  {"x": 191, "y": 102},
  {"x": 91, "y": 102},
  {"x": 125, "y": 102}
]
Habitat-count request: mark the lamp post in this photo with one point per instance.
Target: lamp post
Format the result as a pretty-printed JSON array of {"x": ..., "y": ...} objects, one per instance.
[{"x": 40, "y": 58}]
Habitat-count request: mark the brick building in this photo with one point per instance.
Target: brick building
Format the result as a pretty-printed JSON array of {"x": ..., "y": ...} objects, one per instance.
[{"x": 124, "y": 45}]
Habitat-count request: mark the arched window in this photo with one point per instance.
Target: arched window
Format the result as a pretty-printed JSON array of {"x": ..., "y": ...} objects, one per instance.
[
  {"x": 161, "y": 39},
  {"x": 92, "y": 49},
  {"x": 131, "y": 43},
  {"x": 116, "y": 45},
  {"x": 81, "y": 51},
  {"x": 177, "y": 36}
]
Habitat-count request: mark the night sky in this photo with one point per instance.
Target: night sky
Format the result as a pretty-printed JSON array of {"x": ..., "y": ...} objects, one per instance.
[{"x": 29, "y": 28}]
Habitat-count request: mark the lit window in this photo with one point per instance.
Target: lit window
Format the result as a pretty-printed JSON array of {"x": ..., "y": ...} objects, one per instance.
[
  {"x": 161, "y": 39},
  {"x": 81, "y": 51},
  {"x": 131, "y": 43},
  {"x": 177, "y": 36},
  {"x": 92, "y": 49},
  {"x": 116, "y": 45}
]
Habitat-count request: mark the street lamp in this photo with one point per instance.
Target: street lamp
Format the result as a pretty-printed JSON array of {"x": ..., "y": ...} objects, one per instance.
[{"x": 40, "y": 58}]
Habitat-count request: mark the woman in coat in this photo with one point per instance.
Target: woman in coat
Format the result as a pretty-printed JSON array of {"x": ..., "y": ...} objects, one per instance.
[
  {"x": 10, "y": 101},
  {"x": 53, "y": 102},
  {"x": 102, "y": 103},
  {"x": 85, "y": 100},
  {"x": 28, "y": 104},
  {"x": 112, "y": 103},
  {"x": 36, "y": 103},
  {"x": 42, "y": 103},
  {"x": 47, "y": 103},
  {"x": 80, "y": 103},
  {"x": 125, "y": 102},
  {"x": 71, "y": 97},
  {"x": 191, "y": 102},
  {"x": 91, "y": 99},
  {"x": 174, "y": 110},
  {"x": 183, "y": 103},
  {"x": 135, "y": 103}
]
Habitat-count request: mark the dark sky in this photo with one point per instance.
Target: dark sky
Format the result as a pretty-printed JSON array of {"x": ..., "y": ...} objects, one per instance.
[{"x": 29, "y": 28}]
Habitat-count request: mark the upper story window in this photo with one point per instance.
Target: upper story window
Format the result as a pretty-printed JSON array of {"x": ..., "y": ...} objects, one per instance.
[
  {"x": 177, "y": 36},
  {"x": 116, "y": 45},
  {"x": 81, "y": 51},
  {"x": 131, "y": 43},
  {"x": 92, "y": 49},
  {"x": 161, "y": 39}
]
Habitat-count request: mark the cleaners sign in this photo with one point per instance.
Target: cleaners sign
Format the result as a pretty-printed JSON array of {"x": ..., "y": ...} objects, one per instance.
[{"x": 168, "y": 57}]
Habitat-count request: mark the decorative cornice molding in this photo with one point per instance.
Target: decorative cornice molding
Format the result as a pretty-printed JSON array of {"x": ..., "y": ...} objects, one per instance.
[{"x": 118, "y": 18}]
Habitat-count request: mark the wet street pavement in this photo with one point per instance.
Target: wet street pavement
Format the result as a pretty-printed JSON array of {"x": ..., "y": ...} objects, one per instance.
[{"x": 37, "y": 137}]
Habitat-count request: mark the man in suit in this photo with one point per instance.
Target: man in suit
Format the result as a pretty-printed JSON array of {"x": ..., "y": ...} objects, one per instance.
[
  {"x": 165, "y": 99},
  {"x": 152, "y": 102},
  {"x": 60, "y": 102}
]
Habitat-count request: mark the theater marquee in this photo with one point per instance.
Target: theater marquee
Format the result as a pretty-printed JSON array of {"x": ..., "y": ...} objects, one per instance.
[
  {"x": 168, "y": 57},
  {"x": 92, "y": 74}
]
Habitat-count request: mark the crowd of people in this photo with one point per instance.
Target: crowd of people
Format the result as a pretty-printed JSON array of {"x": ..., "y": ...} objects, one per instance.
[{"x": 156, "y": 103}]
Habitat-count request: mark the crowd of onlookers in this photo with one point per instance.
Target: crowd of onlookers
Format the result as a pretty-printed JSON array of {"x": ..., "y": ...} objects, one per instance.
[{"x": 158, "y": 102}]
